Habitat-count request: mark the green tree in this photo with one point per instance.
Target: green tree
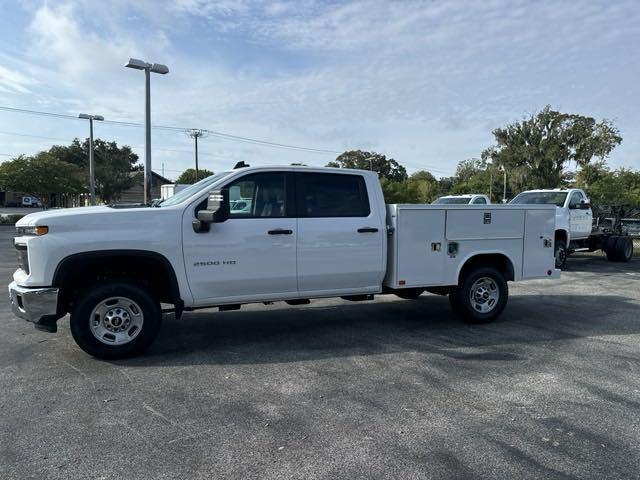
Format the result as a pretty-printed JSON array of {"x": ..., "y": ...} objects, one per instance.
[
  {"x": 618, "y": 187},
  {"x": 424, "y": 185},
  {"x": 189, "y": 175},
  {"x": 476, "y": 175},
  {"x": 41, "y": 175},
  {"x": 386, "y": 167},
  {"x": 113, "y": 165},
  {"x": 537, "y": 150}
]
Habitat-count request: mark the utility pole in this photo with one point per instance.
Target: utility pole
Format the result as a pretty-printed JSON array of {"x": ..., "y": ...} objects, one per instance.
[
  {"x": 92, "y": 175},
  {"x": 490, "y": 185},
  {"x": 196, "y": 133}
]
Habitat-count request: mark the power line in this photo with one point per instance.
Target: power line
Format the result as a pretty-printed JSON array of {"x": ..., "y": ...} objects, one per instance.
[
  {"x": 227, "y": 136},
  {"x": 214, "y": 133},
  {"x": 162, "y": 149}
]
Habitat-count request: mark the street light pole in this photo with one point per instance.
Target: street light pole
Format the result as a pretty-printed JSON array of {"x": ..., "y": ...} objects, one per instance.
[
  {"x": 147, "y": 137},
  {"x": 92, "y": 176},
  {"x": 148, "y": 69}
]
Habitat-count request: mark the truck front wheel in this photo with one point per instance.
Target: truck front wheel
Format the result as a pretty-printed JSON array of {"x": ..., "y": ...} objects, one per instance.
[
  {"x": 481, "y": 295},
  {"x": 560, "y": 253},
  {"x": 115, "y": 320}
]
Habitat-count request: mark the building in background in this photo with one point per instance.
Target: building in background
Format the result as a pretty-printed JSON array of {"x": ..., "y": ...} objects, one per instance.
[{"x": 135, "y": 194}]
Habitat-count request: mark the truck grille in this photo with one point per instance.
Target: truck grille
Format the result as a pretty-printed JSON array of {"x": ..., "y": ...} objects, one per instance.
[{"x": 23, "y": 258}]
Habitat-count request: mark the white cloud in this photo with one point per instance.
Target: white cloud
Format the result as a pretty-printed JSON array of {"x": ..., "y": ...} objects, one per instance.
[
  {"x": 13, "y": 81},
  {"x": 423, "y": 81}
]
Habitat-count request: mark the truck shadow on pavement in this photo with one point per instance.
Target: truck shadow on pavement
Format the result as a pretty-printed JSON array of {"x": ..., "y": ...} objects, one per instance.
[
  {"x": 426, "y": 325},
  {"x": 598, "y": 264}
]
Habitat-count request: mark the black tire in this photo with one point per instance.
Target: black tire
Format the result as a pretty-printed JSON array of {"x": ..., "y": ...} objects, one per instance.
[
  {"x": 140, "y": 302},
  {"x": 620, "y": 249},
  {"x": 560, "y": 253},
  {"x": 461, "y": 301},
  {"x": 409, "y": 293}
]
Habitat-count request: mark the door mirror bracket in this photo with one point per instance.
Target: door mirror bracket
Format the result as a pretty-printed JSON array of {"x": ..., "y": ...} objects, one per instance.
[{"x": 199, "y": 226}]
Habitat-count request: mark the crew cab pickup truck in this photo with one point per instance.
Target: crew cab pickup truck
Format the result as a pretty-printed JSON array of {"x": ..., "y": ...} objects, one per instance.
[
  {"x": 308, "y": 233},
  {"x": 574, "y": 221}
]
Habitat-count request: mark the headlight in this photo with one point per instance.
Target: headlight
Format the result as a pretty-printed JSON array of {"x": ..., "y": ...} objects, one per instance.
[{"x": 33, "y": 231}]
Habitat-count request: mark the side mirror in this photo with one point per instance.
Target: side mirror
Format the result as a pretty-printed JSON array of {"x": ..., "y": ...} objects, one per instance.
[
  {"x": 218, "y": 208},
  {"x": 585, "y": 205}
]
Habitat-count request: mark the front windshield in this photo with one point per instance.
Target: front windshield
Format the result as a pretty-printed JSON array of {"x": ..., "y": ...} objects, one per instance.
[
  {"x": 540, "y": 198},
  {"x": 182, "y": 195},
  {"x": 452, "y": 201}
]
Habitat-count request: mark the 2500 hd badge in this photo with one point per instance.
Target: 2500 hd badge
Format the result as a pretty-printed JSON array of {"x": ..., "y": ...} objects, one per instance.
[{"x": 211, "y": 263}]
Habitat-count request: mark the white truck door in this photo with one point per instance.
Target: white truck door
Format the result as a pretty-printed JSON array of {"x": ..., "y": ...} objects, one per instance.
[
  {"x": 579, "y": 219},
  {"x": 340, "y": 235},
  {"x": 253, "y": 253}
]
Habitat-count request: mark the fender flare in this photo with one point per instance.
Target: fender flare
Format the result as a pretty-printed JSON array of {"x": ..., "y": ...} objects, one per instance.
[{"x": 68, "y": 262}]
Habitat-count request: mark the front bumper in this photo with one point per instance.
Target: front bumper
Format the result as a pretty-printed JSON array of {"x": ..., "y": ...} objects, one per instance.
[{"x": 36, "y": 305}]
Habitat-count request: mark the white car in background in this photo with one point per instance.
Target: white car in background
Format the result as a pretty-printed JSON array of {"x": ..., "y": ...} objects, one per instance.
[
  {"x": 32, "y": 202},
  {"x": 471, "y": 199}
]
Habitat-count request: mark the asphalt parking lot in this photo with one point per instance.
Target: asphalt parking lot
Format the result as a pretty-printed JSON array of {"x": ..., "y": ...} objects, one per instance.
[{"x": 385, "y": 389}]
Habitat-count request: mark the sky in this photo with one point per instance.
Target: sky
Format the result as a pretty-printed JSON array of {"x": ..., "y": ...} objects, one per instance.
[{"x": 424, "y": 82}]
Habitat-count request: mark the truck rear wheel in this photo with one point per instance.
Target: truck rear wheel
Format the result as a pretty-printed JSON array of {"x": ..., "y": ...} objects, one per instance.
[
  {"x": 481, "y": 295},
  {"x": 619, "y": 249},
  {"x": 115, "y": 320}
]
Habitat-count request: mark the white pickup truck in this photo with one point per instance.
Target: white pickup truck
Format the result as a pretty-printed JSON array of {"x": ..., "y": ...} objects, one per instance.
[
  {"x": 574, "y": 225},
  {"x": 469, "y": 199},
  {"x": 309, "y": 233}
]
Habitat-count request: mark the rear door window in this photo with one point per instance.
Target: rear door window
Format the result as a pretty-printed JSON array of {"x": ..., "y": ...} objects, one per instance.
[{"x": 332, "y": 195}]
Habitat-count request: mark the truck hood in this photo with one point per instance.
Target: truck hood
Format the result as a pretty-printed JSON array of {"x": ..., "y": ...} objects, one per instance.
[
  {"x": 48, "y": 216},
  {"x": 69, "y": 217}
]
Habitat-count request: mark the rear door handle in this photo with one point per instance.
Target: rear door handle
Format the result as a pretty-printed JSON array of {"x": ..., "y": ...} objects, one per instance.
[
  {"x": 280, "y": 231},
  {"x": 367, "y": 230}
]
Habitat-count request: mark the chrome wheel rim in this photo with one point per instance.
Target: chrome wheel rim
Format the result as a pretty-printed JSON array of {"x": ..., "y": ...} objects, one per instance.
[
  {"x": 628, "y": 250},
  {"x": 484, "y": 295},
  {"x": 116, "y": 321}
]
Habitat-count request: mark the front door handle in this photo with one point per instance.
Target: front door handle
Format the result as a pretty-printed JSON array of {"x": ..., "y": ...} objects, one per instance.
[
  {"x": 280, "y": 231},
  {"x": 367, "y": 230}
]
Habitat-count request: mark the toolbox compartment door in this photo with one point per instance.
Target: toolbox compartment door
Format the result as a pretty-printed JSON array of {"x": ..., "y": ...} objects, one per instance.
[
  {"x": 484, "y": 223},
  {"x": 538, "y": 257},
  {"x": 421, "y": 247}
]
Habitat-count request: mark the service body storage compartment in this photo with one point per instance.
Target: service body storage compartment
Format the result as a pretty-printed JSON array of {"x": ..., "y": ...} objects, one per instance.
[{"x": 429, "y": 244}]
